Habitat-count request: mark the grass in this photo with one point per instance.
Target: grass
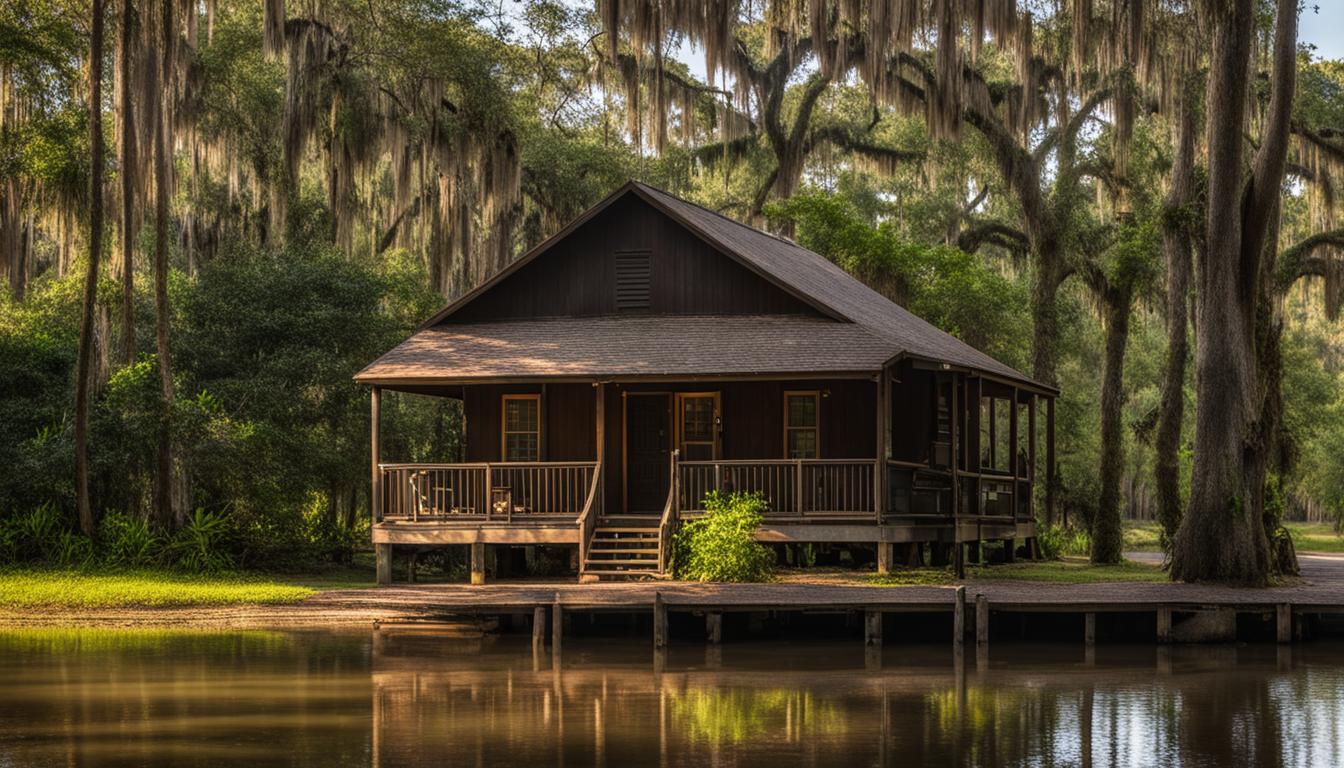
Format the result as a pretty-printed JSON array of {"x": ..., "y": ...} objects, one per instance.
[
  {"x": 1142, "y": 536},
  {"x": 40, "y": 588},
  {"x": 1067, "y": 570}
]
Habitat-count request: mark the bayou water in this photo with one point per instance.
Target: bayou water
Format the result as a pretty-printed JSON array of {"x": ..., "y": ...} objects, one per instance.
[{"x": 423, "y": 697}]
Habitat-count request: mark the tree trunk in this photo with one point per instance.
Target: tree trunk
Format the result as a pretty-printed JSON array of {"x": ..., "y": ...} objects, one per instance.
[
  {"x": 1222, "y": 536},
  {"x": 1107, "y": 537},
  {"x": 84, "y": 362},
  {"x": 163, "y": 480},
  {"x": 1045, "y": 314},
  {"x": 128, "y": 165},
  {"x": 1177, "y": 247}
]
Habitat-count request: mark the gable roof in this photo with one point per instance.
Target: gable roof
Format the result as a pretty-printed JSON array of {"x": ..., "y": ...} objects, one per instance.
[{"x": 893, "y": 331}]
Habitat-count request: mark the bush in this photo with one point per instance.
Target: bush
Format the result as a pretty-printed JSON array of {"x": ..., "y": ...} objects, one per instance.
[
  {"x": 721, "y": 546},
  {"x": 1056, "y": 541},
  {"x": 128, "y": 542},
  {"x": 201, "y": 545}
]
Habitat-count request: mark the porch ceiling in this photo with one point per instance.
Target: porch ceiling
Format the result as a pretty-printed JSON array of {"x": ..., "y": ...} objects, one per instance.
[{"x": 632, "y": 346}]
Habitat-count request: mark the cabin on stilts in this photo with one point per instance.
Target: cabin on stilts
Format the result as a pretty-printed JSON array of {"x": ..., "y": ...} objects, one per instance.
[{"x": 653, "y": 351}]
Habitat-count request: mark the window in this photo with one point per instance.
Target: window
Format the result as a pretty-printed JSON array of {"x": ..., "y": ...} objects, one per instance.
[
  {"x": 522, "y": 427},
  {"x": 801, "y": 411},
  {"x": 697, "y": 426},
  {"x": 633, "y": 274}
]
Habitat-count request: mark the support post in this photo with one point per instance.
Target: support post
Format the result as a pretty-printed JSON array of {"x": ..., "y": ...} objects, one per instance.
[
  {"x": 659, "y": 622},
  {"x": 1090, "y": 629},
  {"x": 538, "y": 627},
  {"x": 872, "y": 628},
  {"x": 714, "y": 627},
  {"x": 477, "y": 563},
  {"x": 1050, "y": 461},
  {"x": 1164, "y": 624},
  {"x": 375, "y": 451},
  {"x": 557, "y": 628},
  {"x": 383, "y": 557},
  {"x": 410, "y": 567},
  {"x": 959, "y": 619},
  {"x": 883, "y": 557},
  {"x": 883, "y": 448},
  {"x": 981, "y": 621},
  {"x": 1283, "y": 614}
]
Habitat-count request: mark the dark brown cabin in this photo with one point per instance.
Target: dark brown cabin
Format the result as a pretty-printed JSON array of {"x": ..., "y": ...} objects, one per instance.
[{"x": 653, "y": 351}]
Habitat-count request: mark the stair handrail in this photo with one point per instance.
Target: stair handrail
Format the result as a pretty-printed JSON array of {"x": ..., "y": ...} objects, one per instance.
[
  {"x": 669, "y": 517},
  {"x": 587, "y": 519}
]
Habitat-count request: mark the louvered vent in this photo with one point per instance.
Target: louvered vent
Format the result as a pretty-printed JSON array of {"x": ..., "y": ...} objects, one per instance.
[{"x": 633, "y": 274}]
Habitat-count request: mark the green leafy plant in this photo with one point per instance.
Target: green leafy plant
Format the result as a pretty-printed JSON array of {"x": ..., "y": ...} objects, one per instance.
[
  {"x": 72, "y": 550},
  {"x": 128, "y": 542},
  {"x": 1056, "y": 541},
  {"x": 721, "y": 545},
  {"x": 201, "y": 546},
  {"x": 36, "y": 535}
]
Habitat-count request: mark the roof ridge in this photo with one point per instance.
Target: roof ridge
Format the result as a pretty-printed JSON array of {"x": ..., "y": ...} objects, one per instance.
[{"x": 720, "y": 214}]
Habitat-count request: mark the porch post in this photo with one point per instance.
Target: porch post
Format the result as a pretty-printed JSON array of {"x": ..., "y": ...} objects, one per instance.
[
  {"x": 1050, "y": 461},
  {"x": 957, "y": 456},
  {"x": 883, "y": 443},
  {"x": 375, "y": 486}
]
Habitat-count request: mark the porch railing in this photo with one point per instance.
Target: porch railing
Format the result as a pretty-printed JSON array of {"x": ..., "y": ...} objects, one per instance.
[
  {"x": 486, "y": 491},
  {"x": 792, "y": 487}
]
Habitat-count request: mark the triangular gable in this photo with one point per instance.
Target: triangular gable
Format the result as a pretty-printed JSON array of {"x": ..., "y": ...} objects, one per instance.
[{"x": 789, "y": 298}]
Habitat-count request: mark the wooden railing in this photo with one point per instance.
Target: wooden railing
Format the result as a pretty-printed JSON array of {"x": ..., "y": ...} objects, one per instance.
[
  {"x": 668, "y": 524},
  {"x": 791, "y": 487},
  {"x": 592, "y": 510},
  {"x": 489, "y": 491}
]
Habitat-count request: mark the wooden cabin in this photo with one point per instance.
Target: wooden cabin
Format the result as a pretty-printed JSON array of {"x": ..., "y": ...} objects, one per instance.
[{"x": 653, "y": 351}]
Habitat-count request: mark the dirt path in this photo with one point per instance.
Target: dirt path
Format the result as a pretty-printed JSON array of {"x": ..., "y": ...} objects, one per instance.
[{"x": 1321, "y": 587}]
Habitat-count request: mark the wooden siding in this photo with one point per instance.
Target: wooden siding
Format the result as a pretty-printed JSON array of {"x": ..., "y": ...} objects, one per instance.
[
  {"x": 567, "y": 413},
  {"x": 577, "y": 278}
]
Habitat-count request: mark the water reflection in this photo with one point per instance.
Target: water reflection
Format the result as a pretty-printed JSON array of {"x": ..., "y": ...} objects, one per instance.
[{"x": 422, "y": 698}]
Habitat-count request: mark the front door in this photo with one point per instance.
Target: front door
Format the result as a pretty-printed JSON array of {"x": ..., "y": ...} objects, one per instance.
[{"x": 647, "y": 449}]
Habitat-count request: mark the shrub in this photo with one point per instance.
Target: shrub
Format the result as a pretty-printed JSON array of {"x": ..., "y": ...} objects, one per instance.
[
  {"x": 200, "y": 546},
  {"x": 1056, "y": 541},
  {"x": 128, "y": 542},
  {"x": 721, "y": 546},
  {"x": 35, "y": 535}
]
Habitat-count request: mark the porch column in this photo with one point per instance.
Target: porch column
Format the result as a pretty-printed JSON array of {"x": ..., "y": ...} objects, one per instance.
[
  {"x": 1050, "y": 461},
  {"x": 883, "y": 443},
  {"x": 375, "y": 486}
]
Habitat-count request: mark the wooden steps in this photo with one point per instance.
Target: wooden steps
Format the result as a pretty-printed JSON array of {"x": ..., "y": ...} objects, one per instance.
[{"x": 623, "y": 548}]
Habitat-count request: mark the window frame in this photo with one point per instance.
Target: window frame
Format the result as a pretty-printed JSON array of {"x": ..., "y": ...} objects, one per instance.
[
  {"x": 679, "y": 415},
  {"x": 504, "y": 430},
  {"x": 815, "y": 394}
]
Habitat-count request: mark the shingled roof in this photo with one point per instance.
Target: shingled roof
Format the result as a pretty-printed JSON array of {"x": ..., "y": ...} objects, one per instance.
[{"x": 861, "y": 329}]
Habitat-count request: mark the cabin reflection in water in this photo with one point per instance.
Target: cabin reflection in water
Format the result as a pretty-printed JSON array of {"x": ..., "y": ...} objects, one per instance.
[{"x": 477, "y": 702}]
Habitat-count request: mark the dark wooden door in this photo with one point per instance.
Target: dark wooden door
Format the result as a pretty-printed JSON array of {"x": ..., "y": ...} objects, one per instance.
[{"x": 647, "y": 452}]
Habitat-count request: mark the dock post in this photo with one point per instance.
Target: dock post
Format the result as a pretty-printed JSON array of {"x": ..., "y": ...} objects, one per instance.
[
  {"x": 477, "y": 562},
  {"x": 383, "y": 556},
  {"x": 1164, "y": 624},
  {"x": 959, "y": 619},
  {"x": 714, "y": 627},
  {"x": 410, "y": 567},
  {"x": 557, "y": 628},
  {"x": 1284, "y": 622},
  {"x": 872, "y": 628},
  {"x": 538, "y": 626},
  {"x": 659, "y": 622},
  {"x": 981, "y": 621},
  {"x": 883, "y": 557},
  {"x": 1090, "y": 629}
]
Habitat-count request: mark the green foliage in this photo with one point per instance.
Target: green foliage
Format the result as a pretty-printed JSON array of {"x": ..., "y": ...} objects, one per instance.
[
  {"x": 128, "y": 542},
  {"x": 1056, "y": 542},
  {"x": 721, "y": 545},
  {"x": 200, "y": 546},
  {"x": 32, "y": 589}
]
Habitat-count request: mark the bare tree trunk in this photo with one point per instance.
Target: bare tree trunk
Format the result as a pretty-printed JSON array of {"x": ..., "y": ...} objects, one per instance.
[
  {"x": 1222, "y": 536},
  {"x": 84, "y": 363},
  {"x": 1107, "y": 537},
  {"x": 162, "y": 189},
  {"x": 1177, "y": 247},
  {"x": 128, "y": 165},
  {"x": 1045, "y": 315}
]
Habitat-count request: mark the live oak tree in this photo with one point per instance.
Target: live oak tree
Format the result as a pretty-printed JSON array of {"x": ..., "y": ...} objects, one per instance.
[{"x": 1221, "y": 537}]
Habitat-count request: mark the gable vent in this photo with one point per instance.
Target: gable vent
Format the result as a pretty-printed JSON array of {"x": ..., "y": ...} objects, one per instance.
[{"x": 633, "y": 274}]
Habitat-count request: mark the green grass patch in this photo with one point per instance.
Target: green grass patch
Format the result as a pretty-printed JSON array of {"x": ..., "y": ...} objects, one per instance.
[
  {"x": 37, "y": 588},
  {"x": 1067, "y": 570},
  {"x": 1315, "y": 537},
  {"x": 1143, "y": 536}
]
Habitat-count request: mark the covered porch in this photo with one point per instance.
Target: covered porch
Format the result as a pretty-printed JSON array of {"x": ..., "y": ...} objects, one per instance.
[{"x": 916, "y": 463}]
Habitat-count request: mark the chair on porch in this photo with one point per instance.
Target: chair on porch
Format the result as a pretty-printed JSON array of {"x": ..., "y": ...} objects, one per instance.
[{"x": 424, "y": 496}]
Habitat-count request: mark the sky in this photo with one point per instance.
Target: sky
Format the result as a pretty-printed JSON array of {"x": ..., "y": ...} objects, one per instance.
[{"x": 1322, "y": 25}]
